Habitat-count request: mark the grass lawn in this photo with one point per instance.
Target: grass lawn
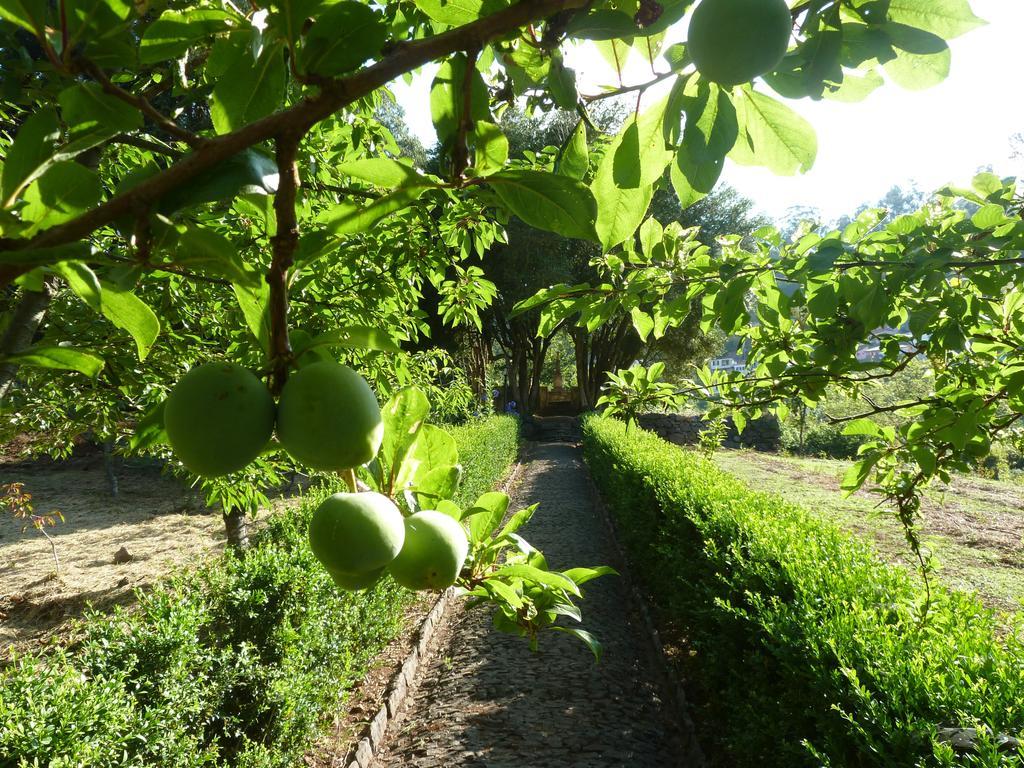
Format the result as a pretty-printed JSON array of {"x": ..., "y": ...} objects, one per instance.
[{"x": 973, "y": 528}]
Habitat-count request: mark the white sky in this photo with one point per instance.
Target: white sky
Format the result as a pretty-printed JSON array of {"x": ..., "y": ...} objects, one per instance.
[{"x": 932, "y": 137}]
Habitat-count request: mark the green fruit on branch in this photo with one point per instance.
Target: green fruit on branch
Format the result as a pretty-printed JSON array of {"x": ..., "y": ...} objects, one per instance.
[
  {"x": 433, "y": 554},
  {"x": 218, "y": 418},
  {"x": 328, "y": 417},
  {"x": 353, "y": 534},
  {"x": 734, "y": 41},
  {"x": 356, "y": 581}
]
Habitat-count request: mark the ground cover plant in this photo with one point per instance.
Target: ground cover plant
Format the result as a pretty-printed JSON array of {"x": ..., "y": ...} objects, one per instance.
[
  {"x": 809, "y": 650},
  {"x": 236, "y": 663},
  {"x": 972, "y": 528}
]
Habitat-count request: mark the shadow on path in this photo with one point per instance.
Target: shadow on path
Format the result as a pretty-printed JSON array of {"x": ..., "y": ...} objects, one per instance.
[{"x": 483, "y": 699}]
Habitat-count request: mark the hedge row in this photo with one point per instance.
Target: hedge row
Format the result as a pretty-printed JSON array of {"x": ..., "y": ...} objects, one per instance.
[
  {"x": 236, "y": 663},
  {"x": 809, "y": 650}
]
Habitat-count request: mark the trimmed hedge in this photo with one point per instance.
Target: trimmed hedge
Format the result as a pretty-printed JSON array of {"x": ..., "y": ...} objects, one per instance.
[
  {"x": 808, "y": 648},
  {"x": 236, "y": 663}
]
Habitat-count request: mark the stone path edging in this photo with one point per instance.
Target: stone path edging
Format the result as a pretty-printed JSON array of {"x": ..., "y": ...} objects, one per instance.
[
  {"x": 361, "y": 755},
  {"x": 694, "y": 755}
]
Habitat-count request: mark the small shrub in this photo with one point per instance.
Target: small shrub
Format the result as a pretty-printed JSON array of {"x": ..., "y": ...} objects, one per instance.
[
  {"x": 822, "y": 440},
  {"x": 808, "y": 648},
  {"x": 234, "y": 664}
]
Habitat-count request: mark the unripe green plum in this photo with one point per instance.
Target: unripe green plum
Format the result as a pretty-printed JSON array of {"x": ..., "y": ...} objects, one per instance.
[
  {"x": 433, "y": 554},
  {"x": 218, "y": 418},
  {"x": 734, "y": 41},
  {"x": 356, "y": 581},
  {"x": 355, "y": 533},
  {"x": 328, "y": 417}
]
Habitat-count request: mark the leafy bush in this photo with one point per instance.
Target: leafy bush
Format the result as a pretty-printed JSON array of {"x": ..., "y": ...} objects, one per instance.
[
  {"x": 809, "y": 650},
  {"x": 823, "y": 440},
  {"x": 235, "y": 663}
]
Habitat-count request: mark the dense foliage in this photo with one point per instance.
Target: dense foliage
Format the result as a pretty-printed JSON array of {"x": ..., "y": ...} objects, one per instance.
[
  {"x": 237, "y": 663},
  {"x": 809, "y": 651}
]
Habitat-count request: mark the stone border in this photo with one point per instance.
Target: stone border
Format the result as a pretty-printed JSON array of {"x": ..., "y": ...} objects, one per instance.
[
  {"x": 397, "y": 692},
  {"x": 693, "y": 756}
]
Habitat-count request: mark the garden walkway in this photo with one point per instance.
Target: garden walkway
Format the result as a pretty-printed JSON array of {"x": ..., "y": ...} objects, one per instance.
[{"x": 482, "y": 699}]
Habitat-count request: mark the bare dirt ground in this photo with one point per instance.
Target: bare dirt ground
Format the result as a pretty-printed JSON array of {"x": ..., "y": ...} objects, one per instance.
[
  {"x": 974, "y": 527},
  {"x": 160, "y": 521}
]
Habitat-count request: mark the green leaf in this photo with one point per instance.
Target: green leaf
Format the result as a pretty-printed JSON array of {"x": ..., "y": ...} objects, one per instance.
[
  {"x": 355, "y": 337},
  {"x": 562, "y": 85},
  {"x": 342, "y": 38},
  {"x": 60, "y": 358},
  {"x": 854, "y": 88},
  {"x": 30, "y": 153},
  {"x": 254, "y": 301},
  {"x": 28, "y": 14},
  {"x": 65, "y": 190},
  {"x": 95, "y": 23},
  {"x": 93, "y": 116},
  {"x": 517, "y": 521},
  {"x": 128, "y": 312},
  {"x": 202, "y": 248},
  {"x": 455, "y": 13},
  {"x": 856, "y": 475},
  {"x": 82, "y": 281},
  {"x": 581, "y": 634},
  {"x": 711, "y": 123},
  {"x": 862, "y": 427},
  {"x": 773, "y": 135},
  {"x": 447, "y": 97},
  {"x": 491, "y": 148},
  {"x": 574, "y": 160},
  {"x": 433, "y": 448},
  {"x": 403, "y": 416},
  {"x": 450, "y": 508},
  {"x": 171, "y": 35},
  {"x": 248, "y": 89},
  {"x": 382, "y": 171},
  {"x": 538, "y": 576},
  {"x": 693, "y": 180},
  {"x": 922, "y": 59},
  {"x": 503, "y": 591},
  {"x": 350, "y": 218},
  {"x": 149, "y": 430},
  {"x": 602, "y": 24},
  {"x": 251, "y": 171},
  {"x": 547, "y": 201},
  {"x": 437, "y": 485},
  {"x": 945, "y": 18},
  {"x": 619, "y": 211},
  {"x": 641, "y": 156},
  {"x": 642, "y": 322},
  {"x": 583, "y": 575},
  {"x": 989, "y": 216},
  {"x": 486, "y": 515}
]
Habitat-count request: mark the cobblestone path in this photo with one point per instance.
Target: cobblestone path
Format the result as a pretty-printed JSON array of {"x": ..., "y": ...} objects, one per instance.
[{"x": 484, "y": 700}]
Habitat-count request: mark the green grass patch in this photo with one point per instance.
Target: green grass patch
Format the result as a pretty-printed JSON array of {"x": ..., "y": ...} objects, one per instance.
[
  {"x": 806, "y": 649},
  {"x": 234, "y": 664}
]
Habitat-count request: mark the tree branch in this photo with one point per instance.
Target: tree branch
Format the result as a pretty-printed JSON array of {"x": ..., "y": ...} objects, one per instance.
[
  {"x": 298, "y": 119},
  {"x": 284, "y": 242},
  {"x": 141, "y": 104}
]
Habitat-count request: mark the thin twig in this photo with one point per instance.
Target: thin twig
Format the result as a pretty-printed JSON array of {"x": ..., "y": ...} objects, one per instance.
[
  {"x": 460, "y": 150},
  {"x": 193, "y": 140}
]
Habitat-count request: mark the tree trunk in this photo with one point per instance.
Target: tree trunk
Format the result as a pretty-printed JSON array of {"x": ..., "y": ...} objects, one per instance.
[
  {"x": 25, "y": 321},
  {"x": 237, "y": 529},
  {"x": 108, "y": 467}
]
